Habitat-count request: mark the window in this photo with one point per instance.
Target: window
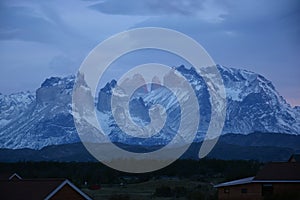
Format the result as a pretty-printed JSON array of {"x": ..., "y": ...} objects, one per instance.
[
  {"x": 267, "y": 189},
  {"x": 226, "y": 190},
  {"x": 244, "y": 190}
]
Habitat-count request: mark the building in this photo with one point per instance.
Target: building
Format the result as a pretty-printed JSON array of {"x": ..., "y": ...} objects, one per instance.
[
  {"x": 16, "y": 188},
  {"x": 9, "y": 176},
  {"x": 279, "y": 180},
  {"x": 295, "y": 158}
]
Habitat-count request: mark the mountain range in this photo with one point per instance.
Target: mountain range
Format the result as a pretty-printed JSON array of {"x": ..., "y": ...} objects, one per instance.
[{"x": 35, "y": 120}]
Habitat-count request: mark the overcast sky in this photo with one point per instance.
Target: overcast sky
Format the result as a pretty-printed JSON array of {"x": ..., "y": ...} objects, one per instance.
[{"x": 39, "y": 39}]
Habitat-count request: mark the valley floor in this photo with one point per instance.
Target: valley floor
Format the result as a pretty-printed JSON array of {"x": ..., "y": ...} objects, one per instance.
[{"x": 157, "y": 190}]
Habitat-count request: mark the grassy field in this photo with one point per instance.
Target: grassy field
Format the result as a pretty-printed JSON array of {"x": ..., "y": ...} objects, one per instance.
[
  {"x": 180, "y": 189},
  {"x": 183, "y": 179}
]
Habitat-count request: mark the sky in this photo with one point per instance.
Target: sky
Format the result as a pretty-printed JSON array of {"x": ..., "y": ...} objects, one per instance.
[{"x": 40, "y": 39}]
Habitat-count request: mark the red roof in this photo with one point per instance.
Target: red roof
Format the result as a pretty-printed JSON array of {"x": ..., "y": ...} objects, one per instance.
[
  {"x": 286, "y": 171},
  {"x": 29, "y": 189}
]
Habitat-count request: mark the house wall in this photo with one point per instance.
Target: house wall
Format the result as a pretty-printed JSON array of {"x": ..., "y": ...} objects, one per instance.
[
  {"x": 254, "y": 191},
  {"x": 287, "y": 190},
  {"x": 235, "y": 192},
  {"x": 67, "y": 192}
]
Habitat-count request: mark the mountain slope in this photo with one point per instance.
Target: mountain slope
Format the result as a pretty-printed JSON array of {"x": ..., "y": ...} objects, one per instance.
[
  {"x": 46, "y": 120},
  {"x": 14, "y": 104},
  {"x": 37, "y": 120},
  {"x": 255, "y": 146},
  {"x": 253, "y": 105}
]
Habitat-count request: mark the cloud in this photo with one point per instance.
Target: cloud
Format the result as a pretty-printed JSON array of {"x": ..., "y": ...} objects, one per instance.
[
  {"x": 148, "y": 7},
  {"x": 38, "y": 23},
  {"x": 62, "y": 64},
  {"x": 207, "y": 10},
  {"x": 262, "y": 36},
  {"x": 245, "y": 11},
  {"x": 259, "y": 36},
  {"x": 49, "y": 38}
]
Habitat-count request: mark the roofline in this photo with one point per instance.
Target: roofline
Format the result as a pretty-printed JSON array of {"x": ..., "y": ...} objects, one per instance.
[
  {"x": 276, "y": 181},
  {"x": 229, "y": 183},
  {"x": 41, "y": 180},
  {"x": 72, "y": 186},
  {"x": 15, "y": 174},
  {"x": 257, "y": 181}
]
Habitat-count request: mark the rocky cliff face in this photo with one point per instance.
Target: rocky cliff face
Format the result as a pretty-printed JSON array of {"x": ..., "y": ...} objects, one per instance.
[
  {"x": 45, "y": 118},
  {"x": 29, "y": 120},
  {"x": 253, "y": 105}
]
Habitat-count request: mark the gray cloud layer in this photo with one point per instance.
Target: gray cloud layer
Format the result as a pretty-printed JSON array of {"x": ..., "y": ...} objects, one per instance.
[
  {"x": 148, "y": 7},
  {"x": 262, "y": 36}
]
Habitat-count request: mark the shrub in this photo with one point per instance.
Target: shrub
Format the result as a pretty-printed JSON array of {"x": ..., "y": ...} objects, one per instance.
[
  {"x": 180, "y": 192},
  {"x": 163, "y": 191},
  {"x": 196, "y": 195},
  {"x": 119, "y": 197}
]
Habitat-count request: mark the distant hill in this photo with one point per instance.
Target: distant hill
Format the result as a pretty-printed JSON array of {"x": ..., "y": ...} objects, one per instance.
[{"x": 255, "y": 146}]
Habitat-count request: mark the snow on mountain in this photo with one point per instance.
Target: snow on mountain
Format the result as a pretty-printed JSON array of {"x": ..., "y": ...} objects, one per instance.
[
  {"x": 41, "y": 120},
  {"x": 45, "y": 118},
  {"x": 14, "y": 104},
  {"x": 253, "y": 105}
]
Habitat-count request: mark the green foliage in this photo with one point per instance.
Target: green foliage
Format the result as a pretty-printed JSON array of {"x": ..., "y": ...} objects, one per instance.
[
  {"x": 204, "y": 170},
  {"x": 204, "y": 173},
  {"x": 196, "y": 195},
  {"x": 163, "y": 191},
  {"x": 119, "y": 197},
  {"x": 179, "y": 192}
]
